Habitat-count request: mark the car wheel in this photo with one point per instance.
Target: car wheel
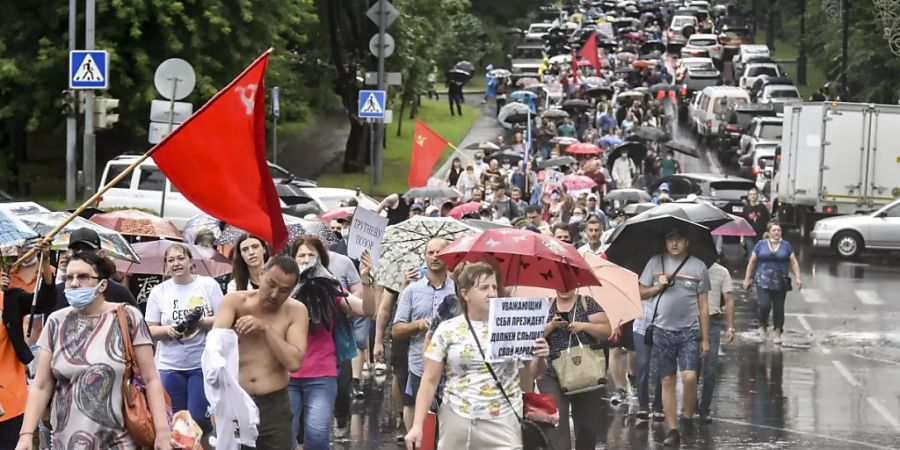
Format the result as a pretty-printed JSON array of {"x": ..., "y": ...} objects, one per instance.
[
  {"x": 804, "y": 224},
  {"x": 847, "y": 244}
]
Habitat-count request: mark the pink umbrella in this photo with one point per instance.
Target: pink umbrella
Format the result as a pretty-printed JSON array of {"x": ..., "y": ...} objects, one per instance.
[
  {"x": 578, "y": 182},
  {"x": 584, "y": 149},
  {"x": 737, "y": 227},
  {"x": 466, "y": 208},
  {"x": 618, "y": 294},
  {"x": 336, "y": 214},
  {"x": 584, "y": 63},
  {"x": 207, "y": 261}
]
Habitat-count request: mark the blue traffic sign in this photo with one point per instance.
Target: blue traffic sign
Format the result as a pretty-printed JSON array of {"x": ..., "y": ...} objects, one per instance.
[
  {"x": 371, "y": 104},
  {"x": 88, "y": 69}
]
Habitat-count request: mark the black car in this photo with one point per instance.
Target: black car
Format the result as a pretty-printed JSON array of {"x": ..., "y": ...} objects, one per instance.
[{"x": 726, "y": 192}]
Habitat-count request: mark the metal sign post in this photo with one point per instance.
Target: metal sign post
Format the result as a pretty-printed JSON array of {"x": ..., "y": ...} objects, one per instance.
[
  {"x": 174, "y": 79},
  {"x": 276, "y": 111},
  {"x": 382, "y": 13}
]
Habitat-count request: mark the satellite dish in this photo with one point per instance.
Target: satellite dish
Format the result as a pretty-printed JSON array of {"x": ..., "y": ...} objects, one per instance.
[{"x": 174, "y": 79}]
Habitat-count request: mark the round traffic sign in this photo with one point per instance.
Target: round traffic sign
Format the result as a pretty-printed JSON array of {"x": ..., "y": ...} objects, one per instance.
[
  {"x": 174, "y": 79},
  {"x": 388, "y": 45}
]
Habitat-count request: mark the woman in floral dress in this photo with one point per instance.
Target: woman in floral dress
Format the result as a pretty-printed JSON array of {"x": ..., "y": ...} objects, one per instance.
[{"x": 82, "y": 365}]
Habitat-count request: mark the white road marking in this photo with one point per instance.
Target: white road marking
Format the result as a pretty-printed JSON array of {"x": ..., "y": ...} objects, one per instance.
[
  {"x": 885, "y": 413},
  {"x": 805, "y": 324},
  {"x": 813, "y": 296},
  {"x": 869, "y": 297},
  {"x": 873, "y": 358},
  {"x": 845, "y": 373},
  {"x": 804, "y": 433}
]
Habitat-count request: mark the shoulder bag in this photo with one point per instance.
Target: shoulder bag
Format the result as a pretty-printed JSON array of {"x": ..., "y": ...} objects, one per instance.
[
  {"x": 533, "y": 435},
  {"x": 648, "y": 333},
  {"x": 582, "y": 368},
  {"x": 136, "y": 410}
]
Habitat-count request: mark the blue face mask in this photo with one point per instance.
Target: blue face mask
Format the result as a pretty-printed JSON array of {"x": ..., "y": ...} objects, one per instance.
[{"x": 80, "y": 298}]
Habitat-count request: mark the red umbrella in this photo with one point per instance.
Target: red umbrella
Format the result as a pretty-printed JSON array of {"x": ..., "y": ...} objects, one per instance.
[
  {"x": 578, "y": 182},
  {"x": 207, "y": 261},
  {"x": 584, "y": 149},
  {"x": 525, "y": 258},
  {"x": 466, "y": 208},
  {"x": 737, "y": 227},
  {"x": 137, "y": 223},
  {"x": 337, "y": 214}
]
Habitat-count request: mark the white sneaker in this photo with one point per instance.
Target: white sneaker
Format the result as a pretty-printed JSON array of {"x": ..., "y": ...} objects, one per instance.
[
  {"x": 762, "y": 333},
  {"x": 776, "y": 337},
  {"x": 380, "y": 367}
]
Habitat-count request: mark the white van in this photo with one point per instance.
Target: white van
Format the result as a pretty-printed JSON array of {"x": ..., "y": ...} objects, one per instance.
[
  {"x": 708, "y": 108},
  {"x": 144, "y": 187}
]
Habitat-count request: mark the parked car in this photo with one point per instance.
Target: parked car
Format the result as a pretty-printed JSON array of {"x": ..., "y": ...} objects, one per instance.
[
  {"x": 326, "y": 198},
  {"x": 680, "y": 29},
  {"x": 526, "y": 60},
  {"x": 708, "y": 42},
  {"x": 848, "y": 236},
  {"x": 744, "y": 54},
  {"x": 754, "y": 70},
  {"x": 538, "y": 30},
  {"x": 725, "y": 192},
  {"x": 708, "y": 110},
  {"x": 762, "y": 130}
]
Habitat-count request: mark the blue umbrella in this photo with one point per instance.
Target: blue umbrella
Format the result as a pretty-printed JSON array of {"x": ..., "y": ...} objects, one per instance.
[
  {"x": 525, "y": 96},
  {"x": 13, "y": 232},
  {"x": 611, "y": 140}
]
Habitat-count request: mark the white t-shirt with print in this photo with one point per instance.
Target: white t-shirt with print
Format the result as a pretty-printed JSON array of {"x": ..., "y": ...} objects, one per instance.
[
  {"x": 169, "y": 304},
  {"x": 470, "y": 391}
]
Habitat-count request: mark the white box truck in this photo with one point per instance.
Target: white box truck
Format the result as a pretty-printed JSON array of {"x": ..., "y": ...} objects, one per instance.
[{"x": 835, "y": 159}]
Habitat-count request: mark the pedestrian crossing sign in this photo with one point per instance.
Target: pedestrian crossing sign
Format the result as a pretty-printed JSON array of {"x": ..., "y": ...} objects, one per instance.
[
  {"x": 371, "y": 104},
  {"x": 88, "y": 69}
]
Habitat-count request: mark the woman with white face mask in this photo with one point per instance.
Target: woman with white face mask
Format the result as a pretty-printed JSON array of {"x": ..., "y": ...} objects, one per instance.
[{"x": 82, "y": 358}]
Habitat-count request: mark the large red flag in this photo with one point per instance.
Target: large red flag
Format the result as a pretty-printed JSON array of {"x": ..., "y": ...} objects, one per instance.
[
  {"x": 426, "y": 151},
  {"x": 589, "y": 51},
  {"x": 217, "y": 158}
]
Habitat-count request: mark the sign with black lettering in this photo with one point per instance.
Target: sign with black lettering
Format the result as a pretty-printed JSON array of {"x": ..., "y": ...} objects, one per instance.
[
  {"x": 366, "y": 231},
  {"x": 514, "y": 324}
]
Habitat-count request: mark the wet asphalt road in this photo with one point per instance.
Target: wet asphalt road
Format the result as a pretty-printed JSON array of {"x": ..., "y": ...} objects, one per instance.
[{"x": 833, "y": 384}]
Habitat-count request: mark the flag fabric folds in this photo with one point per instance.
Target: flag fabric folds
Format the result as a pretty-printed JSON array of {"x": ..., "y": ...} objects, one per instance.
[
  {"x": 588, "y": 51},
  {"x": 217, "y": 158},
  {"x": 427, "y": 149}
]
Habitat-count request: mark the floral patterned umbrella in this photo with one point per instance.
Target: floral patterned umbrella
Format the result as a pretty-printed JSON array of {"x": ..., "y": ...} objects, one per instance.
[
  {"x": 403, "y": 246},
  {"x": 13, "y": 233},
  {"x": 111, "y": 241},
  {"x": 296, "y": 227},
  {"x": 138, "y": 223}
]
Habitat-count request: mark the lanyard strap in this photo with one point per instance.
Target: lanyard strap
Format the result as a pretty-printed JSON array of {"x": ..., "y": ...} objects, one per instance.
[
  {"x": 662, "y": 262},
  {"x": 491, "y": 369}
]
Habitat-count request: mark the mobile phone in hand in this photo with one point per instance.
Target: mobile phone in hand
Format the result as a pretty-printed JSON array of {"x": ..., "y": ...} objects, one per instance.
[{"x": 563, "y": 315}]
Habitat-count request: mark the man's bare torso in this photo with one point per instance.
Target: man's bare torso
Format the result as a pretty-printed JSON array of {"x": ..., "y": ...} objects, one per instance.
[{"x": 260, "y": 371}]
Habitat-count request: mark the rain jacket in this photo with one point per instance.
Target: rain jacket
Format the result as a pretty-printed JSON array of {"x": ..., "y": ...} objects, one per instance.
[{"x": 232, "y": 406}]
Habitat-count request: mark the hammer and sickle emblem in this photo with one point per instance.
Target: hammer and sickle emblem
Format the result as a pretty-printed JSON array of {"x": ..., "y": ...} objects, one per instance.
[
  {"x": 420, "y": 140},
  {"x": 247, "y": 100}
]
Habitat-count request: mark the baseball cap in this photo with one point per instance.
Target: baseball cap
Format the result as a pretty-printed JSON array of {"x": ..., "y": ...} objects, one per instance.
[
  {"x": 677, "y": 232},
  {"x": 664, "y": 187},
  {"x": 85, "y": 236},
  {"x": 618, "y": 212},
  {"x": 417, "y": 206},
  {"x": 592, "y": 197},
  {"x": 432, "y": 209}
]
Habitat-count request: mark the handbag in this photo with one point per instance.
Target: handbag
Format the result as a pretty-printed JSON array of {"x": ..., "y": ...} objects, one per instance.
[
  {"x": 648, "y": 333},
  {"x": 533, "y": 435},
  {"x": 579, "y": 369},
  {"x": 136, "y": 410},
  {"x": 786, "y": 283}
]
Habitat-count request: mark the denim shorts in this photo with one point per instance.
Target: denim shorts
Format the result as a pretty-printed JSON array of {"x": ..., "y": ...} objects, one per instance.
[
  {"x": 361, "y": 327},
  {"x": 675, "y": 350}
]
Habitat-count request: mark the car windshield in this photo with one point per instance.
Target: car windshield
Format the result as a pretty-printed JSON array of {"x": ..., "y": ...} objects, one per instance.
[
  {"x": 728, "y": 190},
  {"x": 784, "y": 93},
  {"x": 770, "y": 131},
  {"x": 762, "y": 70},
  {"x": 766, "y": 161},
  {"x": 528, "y": 53},
  {"x": 679, "y": 22},
  {"x": 279, "y": 173},
  {"x": 705, "y": 65},
  {"x": 333, "y": 201},
  {"x": 702, "y": 42},
  {"x": 738, "y": 32}
]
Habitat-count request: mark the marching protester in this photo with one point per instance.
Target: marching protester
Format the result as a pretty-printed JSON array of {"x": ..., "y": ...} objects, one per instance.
[
  {"x": 313, "y": 388},
  {"x": 415, "y": 308},
  {"x": 770, "y": 264},
  {"x": 678, "y": 282},
  {"x": 249, "y": 256},
  {"x": 481, "y": 407},
  {"x": 574, "y": 320},
  {"x": 76, "y": 357},
  {"x": 757, "y": 214},
  {"x": 179, "y": 312},
  {"x": 720, "y": 292}
]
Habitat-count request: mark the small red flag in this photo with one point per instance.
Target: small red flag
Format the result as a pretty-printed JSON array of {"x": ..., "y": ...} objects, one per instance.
[
  {"x": 217, "y": 158},
  {"x": 427, "y": 149},
  {"x": 589, "y": 51}
]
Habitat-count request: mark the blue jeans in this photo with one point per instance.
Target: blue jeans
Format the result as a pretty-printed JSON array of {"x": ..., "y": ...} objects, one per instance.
[
  {"x": 766, "y": 300},
  {"x": 185, "y": 387},
  {"x": 312, "y": 399},
  {"x": 709, "y": 364},
  {"x": 643, "y": 376}
]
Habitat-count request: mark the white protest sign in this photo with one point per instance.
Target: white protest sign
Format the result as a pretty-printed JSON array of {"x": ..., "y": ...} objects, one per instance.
[
  {"x": 554, "y": 177},
  {"x": 514, "y": 324},
  {"x": 366, "y": 231}
]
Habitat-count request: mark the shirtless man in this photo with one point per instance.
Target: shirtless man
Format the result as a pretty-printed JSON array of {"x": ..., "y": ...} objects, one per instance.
[{"x": 271, "y": 329}]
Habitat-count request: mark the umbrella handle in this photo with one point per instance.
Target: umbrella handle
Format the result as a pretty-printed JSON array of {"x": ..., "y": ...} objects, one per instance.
[{"x": 37, "y": 288}]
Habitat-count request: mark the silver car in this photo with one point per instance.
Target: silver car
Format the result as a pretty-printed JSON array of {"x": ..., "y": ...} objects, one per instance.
[{"x": 849, "y": 235}]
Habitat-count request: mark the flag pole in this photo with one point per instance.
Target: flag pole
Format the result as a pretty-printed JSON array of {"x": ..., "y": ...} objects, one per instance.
[{"x": 128, "y": 170}]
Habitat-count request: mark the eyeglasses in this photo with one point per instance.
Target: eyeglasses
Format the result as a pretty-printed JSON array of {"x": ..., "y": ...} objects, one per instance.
[{"x": 81, "y": 277}]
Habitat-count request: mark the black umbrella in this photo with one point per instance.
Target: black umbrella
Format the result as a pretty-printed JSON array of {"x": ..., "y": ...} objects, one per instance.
[
  {"x": 432, "y": 192},
  {"x": 556, "y": 162},
  {"x": 517, "y": 118},
  {"x": 555, "y": 113},
  {"x": 628, "y": 195},
  {"x": 486, "y": 145},
  {"x": 681, "y": 148},
  {"x": 460, "y": 76},
  {"x": 700, "y": 213},
  {"x": 636, "y": 241},
  {"x": 651, "y": 134},
  {"x": 576, "y": 104},
  {"x": 599, "y": 91},
  {"x": 661, "y": 87},
  {"x": 636, "y": 151},
  {"x": 634, "y": 209},
  {"x": 465, "y": 66},
  {"x": 510, "y": 157}
]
